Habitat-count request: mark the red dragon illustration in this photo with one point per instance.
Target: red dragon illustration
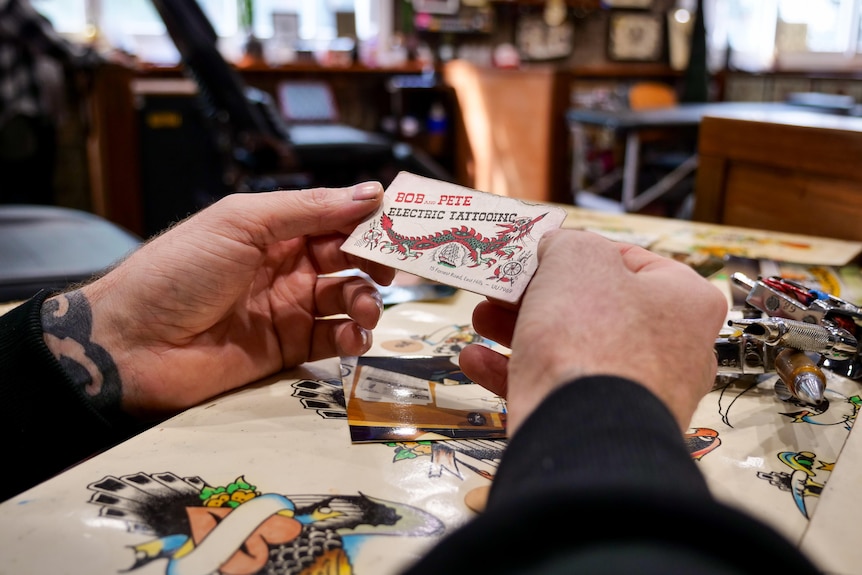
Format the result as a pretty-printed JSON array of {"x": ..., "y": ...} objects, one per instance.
[{"x": 480, "y": 249}]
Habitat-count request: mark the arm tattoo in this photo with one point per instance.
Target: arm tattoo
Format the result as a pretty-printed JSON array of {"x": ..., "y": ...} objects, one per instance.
[{"x": 67, "y": 324}]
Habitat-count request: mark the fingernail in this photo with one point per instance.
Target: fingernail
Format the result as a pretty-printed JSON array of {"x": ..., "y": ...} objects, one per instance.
[
  {"x": 366, "y": 191},
  {"x": 378, "y": 299},
  {"x": 366, "y": 338}
]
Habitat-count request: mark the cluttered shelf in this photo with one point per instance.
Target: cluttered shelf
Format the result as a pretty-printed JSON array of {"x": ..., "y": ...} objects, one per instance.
[
  {"x": 536, "y": 158},
  {"x": 125, "y": 120}
]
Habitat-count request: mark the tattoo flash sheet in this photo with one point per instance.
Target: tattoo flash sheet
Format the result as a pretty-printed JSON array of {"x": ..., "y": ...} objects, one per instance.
[{"x": 476, "y": 241}]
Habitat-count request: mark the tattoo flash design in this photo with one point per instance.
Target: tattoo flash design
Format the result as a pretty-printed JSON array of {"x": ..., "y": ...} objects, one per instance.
[
  {"x": 799, "y": 482},
  {"x": 509, "y": 271},
  {"x": 841, "y": 410},
  {"x": 701, "y": 441},
  {"x": 804, "y": 474},
  {"x": 457, "y": 247},
  {"x": 479, "y": 456},
  {"x": 200, "y": 529},
  {"x": 456, "y": 235}
]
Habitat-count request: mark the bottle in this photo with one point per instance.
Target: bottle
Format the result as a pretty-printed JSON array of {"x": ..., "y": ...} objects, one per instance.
[{"x": 437, "y": 126}]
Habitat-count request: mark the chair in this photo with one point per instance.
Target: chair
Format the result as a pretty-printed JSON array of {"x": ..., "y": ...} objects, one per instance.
[
  {"x": 49, "y": 247},
  {"x": 648, "y": 95},
  {"x": 657, "y": 160},
  {"x": 266, "y": 152},
  {"x": 319, "y": 136},
  {"x": 254, "y": 144},
  {"x": 662, "y": 152}
]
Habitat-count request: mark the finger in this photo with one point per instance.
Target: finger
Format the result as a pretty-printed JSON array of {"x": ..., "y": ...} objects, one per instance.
[
  {"x": 639, "y": 259},
  {"x": 591, "y": 253},
  {"x": 353, "y": 296},
  {"x": 328, "y": 258},
  {"x": 268, "y": 217},
  {"x": 381, "y": 274},
  {"x": 486, "y": 367},
  {"x": 575, "y": 248},
  {"x": 495, "y": 322},
  {"x": 338, "y": 338}
]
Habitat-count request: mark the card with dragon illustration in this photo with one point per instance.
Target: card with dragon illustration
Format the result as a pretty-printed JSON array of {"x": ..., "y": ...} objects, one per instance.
[{"x": 480, "y": 242}]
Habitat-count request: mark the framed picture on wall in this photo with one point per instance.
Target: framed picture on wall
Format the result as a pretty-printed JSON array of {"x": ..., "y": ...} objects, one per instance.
[
  {"x": 636, "y": 36},
  {"x": 536, "y": 41},
  {"x": 437, "y": 6},
  {"x": 285, "y": 25}
]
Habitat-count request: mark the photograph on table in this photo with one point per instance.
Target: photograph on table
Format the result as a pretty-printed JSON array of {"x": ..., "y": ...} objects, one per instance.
[{"x": 419, "y": 398}]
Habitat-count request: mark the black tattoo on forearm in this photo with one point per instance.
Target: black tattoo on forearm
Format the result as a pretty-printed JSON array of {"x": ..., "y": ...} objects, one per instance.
[{"x": 67, "y": 324}]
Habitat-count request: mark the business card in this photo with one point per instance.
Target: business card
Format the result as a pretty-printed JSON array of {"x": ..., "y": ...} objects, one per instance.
[{"x": 477, "y": 241}]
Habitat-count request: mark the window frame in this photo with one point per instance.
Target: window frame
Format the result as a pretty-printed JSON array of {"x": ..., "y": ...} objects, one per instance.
[
  {"x": 768, "y": 55},
  {"x": 373, "y": 19}
]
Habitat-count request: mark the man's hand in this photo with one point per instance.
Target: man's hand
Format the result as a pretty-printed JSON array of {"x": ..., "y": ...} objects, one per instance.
[
  {"x": 232, "y": 294},
  {"x": 596, "y": 307}
]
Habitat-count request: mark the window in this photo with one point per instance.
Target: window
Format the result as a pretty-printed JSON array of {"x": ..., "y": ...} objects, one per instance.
[
  {"x": 791, "y": 34},
  {"x": 134, "y": 25},
  {"x": 67, "y": 16},
  {"x": 317, "y": 17}
]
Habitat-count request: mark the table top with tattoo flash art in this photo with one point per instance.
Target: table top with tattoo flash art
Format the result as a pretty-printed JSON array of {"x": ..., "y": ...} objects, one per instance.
[{"x": 304, "y": 472}]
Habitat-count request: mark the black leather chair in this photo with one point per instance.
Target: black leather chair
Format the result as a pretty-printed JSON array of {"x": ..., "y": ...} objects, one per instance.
[
  {"x": 49, "y": 247},
  {"x": 263, "y": 149}
]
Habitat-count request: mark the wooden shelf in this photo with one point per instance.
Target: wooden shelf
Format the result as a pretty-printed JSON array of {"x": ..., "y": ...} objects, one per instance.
[
  {"x": 300, "y": 67},
  {"x": 621, "y": 70},
  {"x": 570, "y": 3}
]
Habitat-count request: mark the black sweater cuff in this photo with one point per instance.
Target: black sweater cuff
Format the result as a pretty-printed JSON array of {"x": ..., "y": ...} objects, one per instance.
[
  {"x": 598, "y": 427},
  {"x": 599, "y": 480},
  {"x": 47, "y": 422}
]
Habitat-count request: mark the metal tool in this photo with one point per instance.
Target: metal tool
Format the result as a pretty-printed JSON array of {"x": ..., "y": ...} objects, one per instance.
[{"x": 804, "y": 331}]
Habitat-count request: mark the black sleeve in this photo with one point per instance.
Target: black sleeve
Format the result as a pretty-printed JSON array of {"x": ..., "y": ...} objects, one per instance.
[
  {"x": 598, "y": 480},
  {"x": 47, "y": 425}
]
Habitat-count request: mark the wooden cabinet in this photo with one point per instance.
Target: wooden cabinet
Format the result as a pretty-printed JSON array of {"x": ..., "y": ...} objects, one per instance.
[
  {"x": 112, "y": 149},
  {"x": 512, "y": 140},
  {"x": 797, "y": 172}
]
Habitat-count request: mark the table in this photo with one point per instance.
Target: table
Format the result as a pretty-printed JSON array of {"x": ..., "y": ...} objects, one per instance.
[
  {"x": 784, "y": 171},
  {"x": 285, "y": 440},
  {"x": 631, "y": 124}
]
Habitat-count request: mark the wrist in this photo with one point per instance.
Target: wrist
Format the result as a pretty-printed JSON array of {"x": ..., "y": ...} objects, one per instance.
[{"x": 68, "y": 331}]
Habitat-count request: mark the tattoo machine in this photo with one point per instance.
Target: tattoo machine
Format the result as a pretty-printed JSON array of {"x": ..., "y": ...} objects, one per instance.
[{"x": 795, "y": 332}]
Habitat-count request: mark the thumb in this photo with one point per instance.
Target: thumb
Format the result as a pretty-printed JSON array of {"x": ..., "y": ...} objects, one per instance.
[{"x": 275, "y": 216}]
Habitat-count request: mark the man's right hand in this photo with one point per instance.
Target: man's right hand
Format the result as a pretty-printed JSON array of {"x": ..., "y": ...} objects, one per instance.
[{"x": 595, "y": 307}]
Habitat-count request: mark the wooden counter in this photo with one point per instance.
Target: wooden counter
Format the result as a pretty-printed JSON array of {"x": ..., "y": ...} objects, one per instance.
[
  {"x": 797, "y": 172},
  {"x": 513, "y": 128}
]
